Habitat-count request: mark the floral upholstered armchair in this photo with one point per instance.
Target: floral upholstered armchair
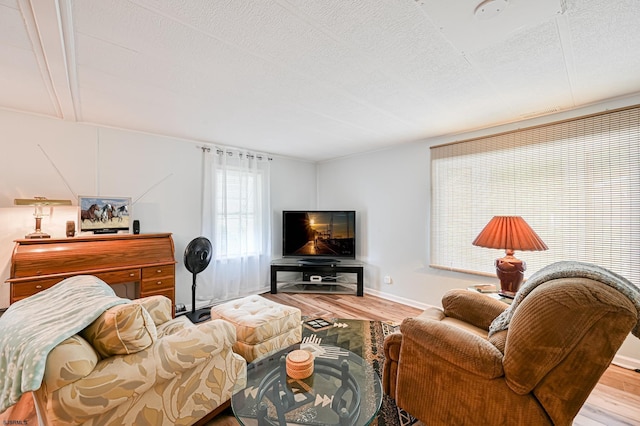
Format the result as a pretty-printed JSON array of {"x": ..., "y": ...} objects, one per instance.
[{"x": 137, "y": 365}]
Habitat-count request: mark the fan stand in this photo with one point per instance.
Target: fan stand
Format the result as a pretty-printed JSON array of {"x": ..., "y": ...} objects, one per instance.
[
  {"x": 196, "y": 259},
  {"x": 197, "y": 315}
]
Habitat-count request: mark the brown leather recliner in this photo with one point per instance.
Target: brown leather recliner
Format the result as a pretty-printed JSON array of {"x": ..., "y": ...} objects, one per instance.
[{"x": 443, "y": 369}]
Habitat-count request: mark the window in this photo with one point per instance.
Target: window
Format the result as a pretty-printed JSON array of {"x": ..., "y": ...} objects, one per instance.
[
  {"x": 236, "y": 217},
  {"x": 239, "y": 197},
  {"x": 577, "y": 183}
]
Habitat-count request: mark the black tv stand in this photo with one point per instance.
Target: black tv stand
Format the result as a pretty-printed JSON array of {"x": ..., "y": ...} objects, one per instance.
[
  {"x": 329, "y": 269},
  {"x": 318, "y": 261}
]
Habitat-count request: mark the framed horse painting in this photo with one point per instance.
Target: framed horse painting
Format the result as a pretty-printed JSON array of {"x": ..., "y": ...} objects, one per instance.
[{"x": 105, "y": 215}]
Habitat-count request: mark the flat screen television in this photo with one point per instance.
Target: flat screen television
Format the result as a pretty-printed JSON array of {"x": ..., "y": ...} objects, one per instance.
[
  {"x": 319, "y": 235},
  {"x": 104, "y": 215}
]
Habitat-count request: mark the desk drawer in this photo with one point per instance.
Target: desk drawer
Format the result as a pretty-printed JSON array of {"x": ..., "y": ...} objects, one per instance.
[
  {"x": 120, "y": 277},
  {"x": 161, "y": 271},
  {"x": 23, "y": 290},
  {"x": 156, "y": 284},
  {"x": 156, "y": 278}
]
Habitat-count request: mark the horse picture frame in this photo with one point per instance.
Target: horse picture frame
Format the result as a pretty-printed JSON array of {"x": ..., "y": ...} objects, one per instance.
[{"x": 104, "y": 215}]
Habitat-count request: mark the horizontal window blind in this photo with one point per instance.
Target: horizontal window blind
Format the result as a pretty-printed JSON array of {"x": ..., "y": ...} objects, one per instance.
[{"x": 577, "y": 184}]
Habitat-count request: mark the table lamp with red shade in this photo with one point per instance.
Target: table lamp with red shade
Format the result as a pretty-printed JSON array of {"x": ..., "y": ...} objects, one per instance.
[{"x": 509, "y": 233}]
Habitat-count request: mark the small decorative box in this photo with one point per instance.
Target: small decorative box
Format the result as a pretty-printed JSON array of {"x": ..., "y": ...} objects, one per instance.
[{"x": 299, "y": 364}]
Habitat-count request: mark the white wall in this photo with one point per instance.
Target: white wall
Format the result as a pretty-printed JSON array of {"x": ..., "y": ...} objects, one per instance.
[
  {"x": 293, "y": 188},
  {"x": 162, "y": 175},
  {"x": 390, "y": 189}
]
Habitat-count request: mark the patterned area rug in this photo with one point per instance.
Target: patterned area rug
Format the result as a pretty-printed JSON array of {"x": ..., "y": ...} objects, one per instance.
[{"x": 366, "y": 339}]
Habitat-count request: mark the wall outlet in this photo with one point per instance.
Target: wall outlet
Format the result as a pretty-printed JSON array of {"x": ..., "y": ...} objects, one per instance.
[{"x": 388, "y": 280}]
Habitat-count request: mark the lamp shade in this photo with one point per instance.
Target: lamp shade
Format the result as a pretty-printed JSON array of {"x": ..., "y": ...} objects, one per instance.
[
  {"x": 509, "y": 233},
  {"x": 40, "y": 201}
]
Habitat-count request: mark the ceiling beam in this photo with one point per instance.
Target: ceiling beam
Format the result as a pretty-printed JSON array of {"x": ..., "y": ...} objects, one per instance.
[
  {"x": 49, "y": 24},
  {"x": 562, "y": 23}
]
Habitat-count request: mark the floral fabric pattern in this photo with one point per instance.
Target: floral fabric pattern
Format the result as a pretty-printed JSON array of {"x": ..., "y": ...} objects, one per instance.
[
  {"x": 186, "y": 373},
  {"x": 159, "y": 307},
  {"x": 121, "y": 330},
  {"x": 71, "y": 360}
]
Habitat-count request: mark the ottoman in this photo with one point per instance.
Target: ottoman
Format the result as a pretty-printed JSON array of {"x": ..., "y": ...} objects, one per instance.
[{"x": 262, "y": 326}]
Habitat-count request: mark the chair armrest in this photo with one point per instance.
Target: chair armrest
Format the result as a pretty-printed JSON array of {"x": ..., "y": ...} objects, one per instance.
[
  {"x": 425, "y": 339},
  {"x": 190, "y": 346},
  {"x": 117, "y": 379},
  {"x": 392, "y": 344},
  {"x": 159, "y": 307},
  {"x": 472, "y": 307}
]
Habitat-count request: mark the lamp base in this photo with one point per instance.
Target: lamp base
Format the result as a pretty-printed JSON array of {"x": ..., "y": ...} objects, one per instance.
[
  {"x": 38, "y": 234},
  {"x": 510, "y": 271}
]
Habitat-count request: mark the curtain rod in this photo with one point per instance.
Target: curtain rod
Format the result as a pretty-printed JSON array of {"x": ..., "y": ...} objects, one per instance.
[{"x": 230, "y": 152}]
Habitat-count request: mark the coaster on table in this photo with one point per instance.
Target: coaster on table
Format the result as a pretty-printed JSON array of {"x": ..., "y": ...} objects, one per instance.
[{"x": 299, "y": 364}]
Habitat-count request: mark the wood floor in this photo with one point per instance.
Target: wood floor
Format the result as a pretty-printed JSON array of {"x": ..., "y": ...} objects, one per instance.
[{"x": 615, "y": 401}]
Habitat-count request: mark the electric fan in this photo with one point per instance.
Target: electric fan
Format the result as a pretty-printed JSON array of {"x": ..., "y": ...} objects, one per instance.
[{"x": 197, "y": 256}]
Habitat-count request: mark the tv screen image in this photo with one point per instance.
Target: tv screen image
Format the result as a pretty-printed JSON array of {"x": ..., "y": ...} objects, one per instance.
[
  {"x": 104, "y": 215},
  {"x": 322, "y": 234}
]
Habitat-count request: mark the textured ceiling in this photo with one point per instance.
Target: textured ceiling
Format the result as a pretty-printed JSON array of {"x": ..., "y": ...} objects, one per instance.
[{"x": 313, "y": 79}]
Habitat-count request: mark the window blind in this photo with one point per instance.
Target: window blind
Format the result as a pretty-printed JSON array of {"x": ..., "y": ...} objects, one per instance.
[{"x": 577, "y": 184}]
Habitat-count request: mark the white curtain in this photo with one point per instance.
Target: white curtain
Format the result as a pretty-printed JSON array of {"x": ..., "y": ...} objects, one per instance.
[{"x": 236, "y": 219}]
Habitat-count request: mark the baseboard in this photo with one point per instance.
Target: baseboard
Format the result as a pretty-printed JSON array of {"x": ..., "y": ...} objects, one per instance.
[
  {"x": 626, "y": 362},
  {"x": 398, "y": 299}
]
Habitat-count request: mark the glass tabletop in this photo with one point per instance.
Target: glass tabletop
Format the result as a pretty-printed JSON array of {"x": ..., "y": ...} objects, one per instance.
[{"x": 343, "y": 390}]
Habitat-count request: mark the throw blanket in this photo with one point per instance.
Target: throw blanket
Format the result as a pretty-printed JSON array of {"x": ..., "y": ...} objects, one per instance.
[
  {"x": 32, "y": 327},
  {"x": 569, "y": 269}
]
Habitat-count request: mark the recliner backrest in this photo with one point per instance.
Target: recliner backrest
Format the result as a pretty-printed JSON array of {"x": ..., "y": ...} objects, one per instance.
[{"x": 561, "y": 338}]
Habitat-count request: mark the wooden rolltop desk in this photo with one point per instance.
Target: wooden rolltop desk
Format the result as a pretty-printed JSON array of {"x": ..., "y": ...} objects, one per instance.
[{"x": 144, "y": 259}]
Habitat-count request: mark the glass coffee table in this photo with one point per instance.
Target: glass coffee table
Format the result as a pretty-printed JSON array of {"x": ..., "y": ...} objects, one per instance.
[{"x": 343, "y": 390}]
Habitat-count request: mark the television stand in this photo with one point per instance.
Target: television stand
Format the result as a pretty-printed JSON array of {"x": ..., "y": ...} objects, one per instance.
[
  {"x": 318, "y": 261},
  {"x": 346, "y": 266}
]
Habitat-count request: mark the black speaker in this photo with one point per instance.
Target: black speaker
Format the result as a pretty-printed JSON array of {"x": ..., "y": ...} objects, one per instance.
[{"x": 136, "y": 227}]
